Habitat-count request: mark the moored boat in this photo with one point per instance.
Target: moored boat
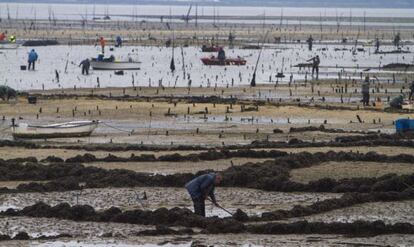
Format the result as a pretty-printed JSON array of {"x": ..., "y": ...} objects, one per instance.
[
  {"x": 251, "y": 47},
  {"x": 58, "y": 130},
  {"x": 214, "y": 61},
  {"x": 114, "y": 65},
  {"x": 205, "y": 48},
  {"x": 8, "y": 46}
]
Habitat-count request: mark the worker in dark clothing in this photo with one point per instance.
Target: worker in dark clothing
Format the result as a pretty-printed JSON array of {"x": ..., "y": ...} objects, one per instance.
[
  {"x": 411, "y": 96},
  {"x": 221, "y": 56},
  {"x": 377, "y": 45},
  {"x": 86, "y": 64},
  {"x": 57, "y": 76},
  {"x": 315, "y": 66},
  {"x": 310, "y": 42},
  {"x": 118, "y": 41},
  {"x": 397, "y": 102},
  {"x": 365, "y": 92},
  {"x": 202, "y": 187},
  {"x": 32, "y": 58},
  {"x": 397, "y": 40}
]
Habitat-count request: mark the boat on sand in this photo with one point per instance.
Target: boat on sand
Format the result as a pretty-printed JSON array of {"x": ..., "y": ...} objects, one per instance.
[{"x": 57, "y": 130}]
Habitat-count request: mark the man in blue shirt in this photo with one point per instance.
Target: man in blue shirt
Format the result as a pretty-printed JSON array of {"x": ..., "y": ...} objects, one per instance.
[
  {"x": 32, "y": 58},
  {"x": 202, "y": 187}
]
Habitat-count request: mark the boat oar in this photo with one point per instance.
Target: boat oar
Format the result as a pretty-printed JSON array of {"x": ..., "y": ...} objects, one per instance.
[{"x": 220, "y": 207}]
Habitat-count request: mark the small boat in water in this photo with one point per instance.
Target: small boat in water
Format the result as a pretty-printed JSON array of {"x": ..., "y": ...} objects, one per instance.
[
  {"x": 111, "y": 64},
  {"x": 222, "y": 60},
  {"x": 58, "y": 130},
  {"x": 251, "y": 47},
  {"x": 214, "y": 61},
  {"x": 115, "y": 65}
]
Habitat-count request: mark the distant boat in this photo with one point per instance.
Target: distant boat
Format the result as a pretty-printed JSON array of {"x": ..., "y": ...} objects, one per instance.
[
  {"x": 251, "y": 47},
  {"x": 213, "y": 48},
  {"x": 8, "y": 46},
  {"x": 214, "y": 61},
  {"x": 58, "y": 130},
  {"x": 114, "y": 65}
]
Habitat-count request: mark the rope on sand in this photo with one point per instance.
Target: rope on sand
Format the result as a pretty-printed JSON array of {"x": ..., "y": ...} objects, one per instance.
[{"x": 116, "y": 128}]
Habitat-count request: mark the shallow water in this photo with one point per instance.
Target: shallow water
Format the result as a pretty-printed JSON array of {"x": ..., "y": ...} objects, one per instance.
[
  {"x": 155, "y": 67},
  {"x": 122, "y": 11}
]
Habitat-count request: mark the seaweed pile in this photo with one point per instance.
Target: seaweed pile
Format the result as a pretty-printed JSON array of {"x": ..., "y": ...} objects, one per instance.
[
  {"x": 164, "y": 218},
  {"x": 271, "y": 175}
]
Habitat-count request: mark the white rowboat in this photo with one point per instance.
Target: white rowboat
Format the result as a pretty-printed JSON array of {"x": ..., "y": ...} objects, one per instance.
[
  {"x": 106, "y": 65},
  {"x": 69, "y": 129},
  {"x": 8, "y": 46}
]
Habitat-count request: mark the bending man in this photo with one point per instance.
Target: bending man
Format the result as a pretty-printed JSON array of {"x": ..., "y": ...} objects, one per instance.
[{"x": 202, "y": 187}]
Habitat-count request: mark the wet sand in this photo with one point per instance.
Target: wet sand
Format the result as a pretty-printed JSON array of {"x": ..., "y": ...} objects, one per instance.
[
  {"x": 174, "y": 167},
  {"x": 337, "y": 171},
  {"x": 157, "y": 116},
  {"x": 253, "y": 201}
]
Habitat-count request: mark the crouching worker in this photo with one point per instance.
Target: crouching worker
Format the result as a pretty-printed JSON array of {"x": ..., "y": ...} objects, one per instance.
[
  {"x": 86, "y": 64},
  {"x": 202, "y": 187}
]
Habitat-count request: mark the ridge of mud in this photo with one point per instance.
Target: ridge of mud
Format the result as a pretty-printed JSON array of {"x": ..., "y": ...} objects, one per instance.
[
  {"x": 357, "y": 228},
  {"x": 347, "y": 200},
  {"x": 25, "y": 236},
  {"x": 322, "y": 128},
  {"x": 184, "y": 217},
  {"x": 176, "y": 157},
  {"x": 272, "y": 175},
  {"x": 137, "y": 98},
  {"x": 162, "y": 216},
  {"x": 371, "y": 140}
]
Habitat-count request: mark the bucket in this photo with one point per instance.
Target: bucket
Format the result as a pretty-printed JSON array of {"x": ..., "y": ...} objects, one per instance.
[
  {"x": 404, "y": 125},
  {"x": 32, "y": 99}
]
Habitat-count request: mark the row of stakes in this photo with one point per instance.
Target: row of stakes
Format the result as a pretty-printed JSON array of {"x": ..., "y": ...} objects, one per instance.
[{"x": 205, "y": 112}]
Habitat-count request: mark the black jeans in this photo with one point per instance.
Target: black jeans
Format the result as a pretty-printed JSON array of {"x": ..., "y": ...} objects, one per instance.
[
  {"x": 85, "y": 71},
  {"x": 199, "y": 207},
  {"x": 315, "y": 68},
  {"x": 32, "y": 64}
]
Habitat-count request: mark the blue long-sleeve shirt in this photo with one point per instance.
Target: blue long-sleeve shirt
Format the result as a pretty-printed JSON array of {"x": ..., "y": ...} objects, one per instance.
[
  {"x": 32, "y": 57},
  {"x": 202, "y": 186}
]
